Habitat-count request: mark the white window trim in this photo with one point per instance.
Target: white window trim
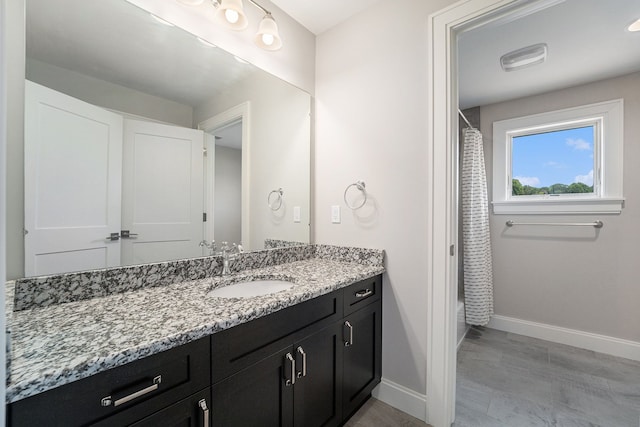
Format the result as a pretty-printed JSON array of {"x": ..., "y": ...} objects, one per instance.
[{"x": 607, "y": 197}]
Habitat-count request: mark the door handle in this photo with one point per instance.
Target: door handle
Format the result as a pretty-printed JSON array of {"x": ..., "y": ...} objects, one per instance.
[
  {"x": 113, "y": 237},
  {"x": 292, "y": 380},
  {"x": 205, "y": 412},
  {"x": 360, "y": 294},
  {"x": 349, "y": 342},
  {"x": 303, "y": 371},
  {"x": 126, "y": 234},
  {"x": 108, "y": 401}
]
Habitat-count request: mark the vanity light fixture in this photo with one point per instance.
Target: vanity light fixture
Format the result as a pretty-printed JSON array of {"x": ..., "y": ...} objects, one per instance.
[
  {"x": 230, "y": 13},
  {"x": 525, "y": 57},
  {"x": 635, "y": 26}
]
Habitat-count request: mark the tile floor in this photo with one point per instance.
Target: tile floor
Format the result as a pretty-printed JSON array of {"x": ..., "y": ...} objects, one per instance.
[
  {"x": 375, "y": 413},
  {"x": 508, "y": 380}
]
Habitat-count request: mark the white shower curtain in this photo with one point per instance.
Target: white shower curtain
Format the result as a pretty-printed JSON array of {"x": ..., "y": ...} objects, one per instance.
[{"x": 478, "y": 277}]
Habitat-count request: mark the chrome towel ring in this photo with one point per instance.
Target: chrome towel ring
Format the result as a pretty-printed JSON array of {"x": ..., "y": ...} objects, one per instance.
[
  {"x": 360, "y": 185},
  {"x": 276, "y": 200}
]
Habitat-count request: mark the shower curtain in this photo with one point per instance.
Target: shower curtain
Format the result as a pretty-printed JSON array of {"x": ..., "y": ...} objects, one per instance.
[{"x": 478, "y": 276}]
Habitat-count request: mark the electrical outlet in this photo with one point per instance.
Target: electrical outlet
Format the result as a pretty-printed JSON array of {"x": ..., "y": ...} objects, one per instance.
[{"x": 335, "y": 214}]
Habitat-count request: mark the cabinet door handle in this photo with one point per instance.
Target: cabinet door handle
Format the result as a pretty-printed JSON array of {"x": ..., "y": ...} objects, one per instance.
[
  {"x": 205, "y": 412},
  {"x": 292, "y": 380},
  {"x": 303, "y": 372},
  {"x": 349, "y": 342},
  {"x": 364, "y": 293},
  {"x": 107, "y": 401}
]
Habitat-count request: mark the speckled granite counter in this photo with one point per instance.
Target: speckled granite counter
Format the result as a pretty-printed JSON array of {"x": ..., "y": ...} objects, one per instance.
[{"x": 57, "y": 344}]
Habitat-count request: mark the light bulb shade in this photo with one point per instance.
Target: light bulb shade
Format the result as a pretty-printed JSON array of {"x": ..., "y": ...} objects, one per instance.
[
  {"x": 231, "y": 14},
  {"x": 267, "y": 37}
]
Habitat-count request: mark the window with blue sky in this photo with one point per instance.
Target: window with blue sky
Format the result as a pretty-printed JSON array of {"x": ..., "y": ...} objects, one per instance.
[{"x": 553, "y": 162}]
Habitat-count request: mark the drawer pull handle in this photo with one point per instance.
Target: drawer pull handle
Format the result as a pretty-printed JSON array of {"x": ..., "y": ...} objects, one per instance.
[
  {"x": 107, "y": 401},
  {"x": 303, "y": 372},
  {"x": 365, "y": 293},
  {"x": 291, "y": 381},
  {"x": 350, "y": 341},
  {"x": 205, "y": 412}
]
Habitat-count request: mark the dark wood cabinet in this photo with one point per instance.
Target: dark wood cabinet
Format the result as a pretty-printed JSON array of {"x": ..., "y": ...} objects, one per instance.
[
  {"x": 296, "y": 386},
  {"x": 309, "y": 365},
  {"x": 256, "y": 396},
  {"x": 362, "y": 364},
  {"x": 318, "y": 390},
  {"x": 138, "y": 388}
]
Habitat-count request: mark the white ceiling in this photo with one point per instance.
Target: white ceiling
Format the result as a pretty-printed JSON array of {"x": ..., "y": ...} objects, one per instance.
[
  {"x": 587, "y": 41},
  {"x": 114, "y": 41},
  {"x": 320, "y": 15}
]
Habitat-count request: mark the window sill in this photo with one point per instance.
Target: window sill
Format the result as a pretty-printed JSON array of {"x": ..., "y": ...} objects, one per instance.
[{"x": 558, "y": 207}]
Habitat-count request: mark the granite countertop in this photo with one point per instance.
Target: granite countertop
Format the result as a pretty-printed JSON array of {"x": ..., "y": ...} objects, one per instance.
[{"x": 62, "y": 343}]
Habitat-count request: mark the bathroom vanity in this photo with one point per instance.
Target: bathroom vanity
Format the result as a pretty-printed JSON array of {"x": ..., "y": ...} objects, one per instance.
[{"x": 173, "y": 355}]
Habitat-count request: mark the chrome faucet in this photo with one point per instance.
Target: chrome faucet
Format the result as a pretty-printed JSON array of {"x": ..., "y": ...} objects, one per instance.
[
  {"x": 211, "y": 246},
  {"x": 229, "y": 254}
]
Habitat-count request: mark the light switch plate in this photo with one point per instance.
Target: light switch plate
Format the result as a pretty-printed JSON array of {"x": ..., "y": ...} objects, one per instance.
[
  {"x": 296, "y": 214},
  {"x": 335, "y": 214}
]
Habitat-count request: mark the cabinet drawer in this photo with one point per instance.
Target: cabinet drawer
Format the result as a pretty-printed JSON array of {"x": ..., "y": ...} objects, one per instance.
[
  {"x": 243, "y": 345},
  {"x": 194, "y": 411},
  {"x": 147, "y": 384},
  {"x": 362, "y": 293}
]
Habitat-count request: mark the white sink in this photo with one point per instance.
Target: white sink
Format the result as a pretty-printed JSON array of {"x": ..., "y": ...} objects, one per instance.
[{"x": 253, "y": 288}]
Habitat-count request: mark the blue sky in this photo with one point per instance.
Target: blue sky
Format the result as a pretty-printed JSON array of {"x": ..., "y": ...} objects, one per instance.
[{"x": 545, "y": 159}]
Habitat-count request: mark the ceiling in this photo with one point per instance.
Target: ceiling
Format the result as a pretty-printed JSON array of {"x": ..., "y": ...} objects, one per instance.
[
  {"x": 587, "y": 41},
  {"x": 320, "y": 15}
]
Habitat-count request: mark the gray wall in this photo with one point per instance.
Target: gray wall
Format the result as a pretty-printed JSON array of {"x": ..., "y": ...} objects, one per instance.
[
  {"x": 228, "y": 190},
  {"x": 108, "y": 95},
  {"x": 14, "y": 51},
  {"x": 371, "y": 124},
  {"x": 574, "y": 278}
]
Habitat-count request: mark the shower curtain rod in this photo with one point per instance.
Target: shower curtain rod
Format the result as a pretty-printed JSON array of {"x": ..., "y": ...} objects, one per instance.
[{"x": 465, "y": 119}]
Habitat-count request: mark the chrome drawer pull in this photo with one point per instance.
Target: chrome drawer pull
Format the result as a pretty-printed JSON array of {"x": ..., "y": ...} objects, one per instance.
[
  {"x": 205, "y": 412},
  {"x": 107, "y": 401},
  {"x": 303, "y": 372},
  {"x": 364, "y": 294},
  {"x": 350, "y": 342},
  {"x": 291, "y": 381}
]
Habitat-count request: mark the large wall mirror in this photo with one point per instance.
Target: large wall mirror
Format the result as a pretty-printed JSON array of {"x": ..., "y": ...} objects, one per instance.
[{"x": 143, "y": 141}]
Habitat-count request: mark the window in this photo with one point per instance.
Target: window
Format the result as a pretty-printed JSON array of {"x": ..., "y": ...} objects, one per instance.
[{"x": 560, "y": 162}]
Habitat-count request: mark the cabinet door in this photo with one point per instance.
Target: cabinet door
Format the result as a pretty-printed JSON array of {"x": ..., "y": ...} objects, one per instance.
[
  {"x": 362, "y": 347},
  {"x": 258, "y": 396},
  {"x": 318, "y": 392}
]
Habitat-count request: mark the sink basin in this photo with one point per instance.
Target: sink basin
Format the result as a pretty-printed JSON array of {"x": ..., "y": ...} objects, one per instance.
[{"x": 251, "y": 288}]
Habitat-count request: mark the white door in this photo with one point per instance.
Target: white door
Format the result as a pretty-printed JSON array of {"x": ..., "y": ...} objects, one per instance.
[
  {"x": 73, "y": 169},
  {"x": 162, "y": 192}
]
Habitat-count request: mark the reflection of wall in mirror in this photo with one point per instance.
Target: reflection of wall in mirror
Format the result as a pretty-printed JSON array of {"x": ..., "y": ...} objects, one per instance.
[
  {"x": 280, "y": 139},
  {"x": 279, "y": 152},
  {"x": 227, "y": 194}
]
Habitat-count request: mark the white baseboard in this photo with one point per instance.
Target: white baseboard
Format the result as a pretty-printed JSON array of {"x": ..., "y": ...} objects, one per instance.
[
  {"x": 402, "y": 398},
  {"x": 464, "y": 335},
  {"x": 595, "y": 342}
]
